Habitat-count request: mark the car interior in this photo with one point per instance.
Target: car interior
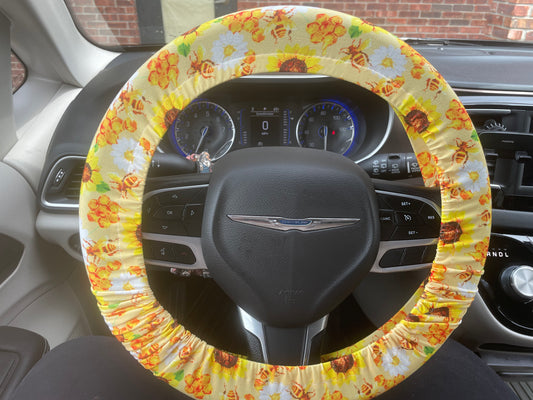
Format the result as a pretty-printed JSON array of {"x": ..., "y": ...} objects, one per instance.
[{"x": 295, "y": 153}]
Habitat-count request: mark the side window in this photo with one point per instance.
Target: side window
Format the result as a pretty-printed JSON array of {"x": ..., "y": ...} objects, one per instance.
[{"x": 18, "y": 72}]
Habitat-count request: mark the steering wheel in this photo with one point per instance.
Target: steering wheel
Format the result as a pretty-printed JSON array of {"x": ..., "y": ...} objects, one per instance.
[{"x": 287, "y": 232}]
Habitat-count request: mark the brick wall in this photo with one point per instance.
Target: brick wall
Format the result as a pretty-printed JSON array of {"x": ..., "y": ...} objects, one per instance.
[
  {"x": 17, "y": 72},
  {"x": 108, "y": 22},
  {"x": 457, "y": 19},
  {"x": 114, "y": 22}
]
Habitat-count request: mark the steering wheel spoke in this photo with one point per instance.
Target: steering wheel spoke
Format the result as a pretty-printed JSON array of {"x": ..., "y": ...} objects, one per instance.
[{"x": 286, "y": 346}]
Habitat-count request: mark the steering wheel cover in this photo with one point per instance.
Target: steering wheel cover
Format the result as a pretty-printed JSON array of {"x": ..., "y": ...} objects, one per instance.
[{"x": 286, "y": 39}]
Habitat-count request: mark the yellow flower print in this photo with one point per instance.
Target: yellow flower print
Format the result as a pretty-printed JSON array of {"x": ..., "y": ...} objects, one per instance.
[
  {"x": 91, "y": 177},
  {"x": 103, "y": 211},
  {"x": 183, "y": 42},
  {"x": 149, "y": 358},
  {"x": 166, "y": 112},
  {"x": 198, "y": 384},
  {"x": 226, "y": 365},
  {"x": 325, "y": 30},
  {"x": 164, "y": 69},
  {"x": 459, "y": 117},
  {"x": 420, "y": 117},
  {"x": 294, "y": 59},
  {"x": 247, "y": 21}
]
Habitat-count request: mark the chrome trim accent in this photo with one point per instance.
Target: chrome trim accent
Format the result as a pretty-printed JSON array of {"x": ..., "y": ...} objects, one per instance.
[
  {"x": 489, "y": 111},
  {"x": 256, "y": 328},
  {"x": 400, "y": 244},
  {"x": 59, "y": 206},
  {"x": 311, "y": 331},
  {"x": 291, "y": 224},
  {"x": 385, "y": 246},
  {"x": 491, "y": 91},
  {"x": 194, "y": 243},
  {"x": 521, "y": 281},
  {"x": 388, "y": 131}
]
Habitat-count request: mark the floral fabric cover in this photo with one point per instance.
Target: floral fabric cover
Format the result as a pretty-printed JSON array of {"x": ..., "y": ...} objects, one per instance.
[{"x": 282, "y": 39}]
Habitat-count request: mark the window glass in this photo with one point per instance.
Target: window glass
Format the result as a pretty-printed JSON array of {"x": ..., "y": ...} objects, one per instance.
[{"x": 155, "y": 22}]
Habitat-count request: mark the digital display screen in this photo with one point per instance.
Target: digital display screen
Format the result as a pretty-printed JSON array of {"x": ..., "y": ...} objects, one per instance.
[{"x": 265, "y": 128}]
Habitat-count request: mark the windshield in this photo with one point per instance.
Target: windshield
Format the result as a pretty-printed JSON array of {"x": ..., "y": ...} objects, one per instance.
[{"x": 123, "y": 23}]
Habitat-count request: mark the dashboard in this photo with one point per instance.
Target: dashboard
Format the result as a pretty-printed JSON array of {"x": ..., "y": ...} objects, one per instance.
[
  {"x": 271, "y": 111},
  {"x": 326, "y": 114}
]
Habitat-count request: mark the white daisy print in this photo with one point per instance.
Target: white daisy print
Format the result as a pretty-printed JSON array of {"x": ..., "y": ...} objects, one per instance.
[
  {"x": 84, "y": 239},
  {"x": 467, "y": 289},
  {"x": 229, "y": 48},
  {"x": 275, "y": 391},
  {"x": 396, "y": 361},
  {"x": 473, "y": 176},
  {"x": 388, "y": 61},
  {"x": 128, "y": 155}
]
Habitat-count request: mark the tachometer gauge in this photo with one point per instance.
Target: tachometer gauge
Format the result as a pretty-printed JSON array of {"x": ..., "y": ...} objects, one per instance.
[
  {"x": 327, "y": 125},
  {"x": 204, "y": 126}
]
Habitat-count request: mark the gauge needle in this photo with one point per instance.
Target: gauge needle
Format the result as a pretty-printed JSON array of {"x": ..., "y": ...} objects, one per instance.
[
  {"x": 325, "y": 130},
  {"x": 203, "y": 133}
]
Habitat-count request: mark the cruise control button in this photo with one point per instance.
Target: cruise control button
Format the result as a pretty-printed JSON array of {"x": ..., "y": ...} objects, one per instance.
[
  {"x": 406, "y": 219},
  {"x": 387, "y": 225},
  {"x": 404, "y": 204},
  {"x": 391, "y": 258},
  {"x": 429, "y": 215},
  {"x": 415, "y": 232},
  {"x": 169, "y": 212}
]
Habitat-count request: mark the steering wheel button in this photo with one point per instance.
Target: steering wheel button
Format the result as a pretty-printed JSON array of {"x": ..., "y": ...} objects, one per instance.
[
  {"x": 183, "y": 254},
  {"x": 392, "y": 258},
  {"x": 413, "y": 255},
  {"x": 429, "y": 254},
  {"x": 404, "y": 204},
  {"x": 193, "y": 212},
  {"x": 406, "y": 219},
  {"x": 169, "y": 212},
  {"x": 429, "y": 215},
  {"x": 165, "y": 227},
  {"x": 178, "y": 196},
  {"x": 387, "y": 225},
  {"x": 407, "y": 233}
]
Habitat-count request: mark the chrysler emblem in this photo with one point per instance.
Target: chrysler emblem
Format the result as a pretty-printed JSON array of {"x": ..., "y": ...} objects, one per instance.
[{"x": 290, "y": 224}]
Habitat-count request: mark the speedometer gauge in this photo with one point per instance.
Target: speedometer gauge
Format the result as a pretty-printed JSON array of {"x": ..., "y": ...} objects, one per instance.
[
  {"x": 327, "y": 125},
  {"x": 204, "y": 126}
]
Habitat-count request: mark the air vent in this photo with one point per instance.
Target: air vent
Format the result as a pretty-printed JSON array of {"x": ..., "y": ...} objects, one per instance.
[
  {"x": 61, "y": 190},
  {"x": 72, "y": 186}
]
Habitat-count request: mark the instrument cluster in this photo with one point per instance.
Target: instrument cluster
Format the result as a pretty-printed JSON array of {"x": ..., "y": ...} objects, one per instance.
[{"x": 319, "y": 113}]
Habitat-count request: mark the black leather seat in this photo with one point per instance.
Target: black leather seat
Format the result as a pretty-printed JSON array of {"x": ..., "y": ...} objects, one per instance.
[
  {"x": 99, "y": 368},
  {"x": 20, "y": 349}
]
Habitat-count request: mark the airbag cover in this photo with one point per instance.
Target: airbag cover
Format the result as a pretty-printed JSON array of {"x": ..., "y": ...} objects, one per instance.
[{"x": 283, "y": 274}]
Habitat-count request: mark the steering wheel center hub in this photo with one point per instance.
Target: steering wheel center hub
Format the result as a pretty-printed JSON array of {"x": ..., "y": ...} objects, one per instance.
[{"x": 289, "y": 232}]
